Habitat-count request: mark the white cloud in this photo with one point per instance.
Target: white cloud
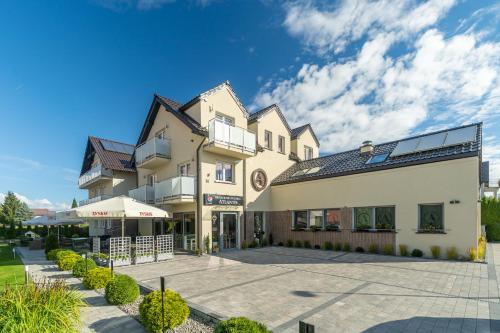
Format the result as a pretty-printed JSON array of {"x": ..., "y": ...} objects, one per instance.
[
  {"x": 19, "y": 163},
  {"x": 38, "y": 203}
]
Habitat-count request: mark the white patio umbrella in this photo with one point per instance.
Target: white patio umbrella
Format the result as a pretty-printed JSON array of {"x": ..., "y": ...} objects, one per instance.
[
  {"x": 51, "y": 221},
  {"x": 121, "y": 207}
]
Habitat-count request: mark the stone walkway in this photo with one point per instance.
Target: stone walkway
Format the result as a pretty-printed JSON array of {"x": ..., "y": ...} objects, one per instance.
[{"x": 99, "y": 316}]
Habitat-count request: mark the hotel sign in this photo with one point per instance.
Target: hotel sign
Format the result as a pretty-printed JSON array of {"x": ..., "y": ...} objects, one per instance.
[{"x": 222, "y": 200}]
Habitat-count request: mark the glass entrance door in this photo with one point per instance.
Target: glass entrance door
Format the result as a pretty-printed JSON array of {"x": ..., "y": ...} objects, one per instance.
[{"x": 229, "y": 228}]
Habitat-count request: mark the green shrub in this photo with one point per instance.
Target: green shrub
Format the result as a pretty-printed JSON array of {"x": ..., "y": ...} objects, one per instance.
[
  {"x": 359, "y": 249},
  {"x": 175, "y": 312},
  {"x": 298, "y": 243},
  {"x": 373, "y": 248},
  {"x": 337, "y": 247},
  {"x": 403, "y": 250},
  {"x": 388, "y": 249},
  {"x": 472, "y": 252},
  {"x": 244, "y": 245},
  {"x": 254, "y": 244},
  {"x": 271, "y": 239},
  {"x": 61, "y": 254},
  {"x": 452, "y": 253},
  {"x": 122, "y": 290},
  {"x": 82, "y": 266},
  {"x": 328, "y": 246},
  {"x": 317, "y": 247},
  {"x": 417, "y": 253},
  {"x": 51, "y": 243},
  {"x": 240, "y": 325},
  {"x": 307, "y": 244},
  {"x": 41, "y": 307},
  {"x": 346, "y": 247},
  {"x": 67, "y": 262},
  {"x": 264, "y": 242},
  {"x": 52, "y": 254},
  {"x": 436, "y": 251},
  {"x": 289, "y": 243},
  {"x": 97, "y": 278},
  {"x": 490, "y": 216}
]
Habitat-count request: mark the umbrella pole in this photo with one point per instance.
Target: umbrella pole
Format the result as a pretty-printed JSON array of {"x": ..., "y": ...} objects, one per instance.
[{"x": 123, "y": 227}]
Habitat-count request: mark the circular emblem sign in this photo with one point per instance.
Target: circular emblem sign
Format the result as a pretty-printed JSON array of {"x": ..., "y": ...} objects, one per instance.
[{"x": 259, "y": 179}]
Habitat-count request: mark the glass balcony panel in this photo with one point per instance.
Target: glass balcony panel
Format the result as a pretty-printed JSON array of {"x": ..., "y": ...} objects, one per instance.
[
  {"x": 155, "y": 147},
  {"x": 231, "y": 136}
]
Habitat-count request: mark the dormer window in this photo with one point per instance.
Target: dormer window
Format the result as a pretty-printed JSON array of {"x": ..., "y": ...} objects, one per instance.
[{"x": 308, "y": 153}]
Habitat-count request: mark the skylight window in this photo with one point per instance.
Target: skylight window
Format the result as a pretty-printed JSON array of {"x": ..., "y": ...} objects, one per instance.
[
  {"x": 379, "y": 158},
  {"x": 306, "y": 171}
]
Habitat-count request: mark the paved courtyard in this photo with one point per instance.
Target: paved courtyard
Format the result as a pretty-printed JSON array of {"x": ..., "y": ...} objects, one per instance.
[{"x": 336, "y": 291}]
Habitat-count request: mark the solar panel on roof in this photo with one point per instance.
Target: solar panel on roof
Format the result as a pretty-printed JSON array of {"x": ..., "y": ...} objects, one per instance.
[
  {"x": 117, "y": 147},
  {"x": 430, "y": 142},
  {"x": 461, "y": 136},
  {"x": 405, "y": 147}
]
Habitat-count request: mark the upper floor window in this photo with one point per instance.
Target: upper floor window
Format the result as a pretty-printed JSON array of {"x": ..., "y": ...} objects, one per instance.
[
  {"x": 225, "y": 119},
  {"x": 224, "y": 172},
  {"x": 308, "y": 153},
  {"x": 431, "y": 218},
  {"x": 268, "y": 139},
  {"x": 185, "y": 169},
  {"x": 281, "y": 144}
]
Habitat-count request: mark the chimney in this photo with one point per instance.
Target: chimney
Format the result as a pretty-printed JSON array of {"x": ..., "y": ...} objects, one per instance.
[{"x": 366, "y": 148}]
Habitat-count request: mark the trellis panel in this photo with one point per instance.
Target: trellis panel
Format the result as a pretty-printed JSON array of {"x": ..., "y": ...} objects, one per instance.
[
  {"x": 119, "y": 250},
  {"x": 164, "y": 247},
  {"x": 144, "y": 249}
]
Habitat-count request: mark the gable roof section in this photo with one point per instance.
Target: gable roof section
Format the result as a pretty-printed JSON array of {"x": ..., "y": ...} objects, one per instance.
[
  {"x": 110, "y": 159},
  {"x": 352, "y": 162},
  {"x": 297, "y": 131},
  {"x": 209, "y": 92},
  {"x": 258, "y": 114},
  {"x": 174, "y": 108}
]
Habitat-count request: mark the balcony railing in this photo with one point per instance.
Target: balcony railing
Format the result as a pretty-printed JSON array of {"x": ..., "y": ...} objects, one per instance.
[
  {"x": 231, "y": 136},
  {"x": 145, "y": 193},
  {"x": 175, "y": 187},
  {"x": 155, "y": 147},
  {"x": 94, "y": 199},
  {"x": 93, "y": 174}
]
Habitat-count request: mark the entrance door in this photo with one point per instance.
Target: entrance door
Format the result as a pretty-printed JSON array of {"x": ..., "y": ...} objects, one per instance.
[{"x": 229, "y": 228}]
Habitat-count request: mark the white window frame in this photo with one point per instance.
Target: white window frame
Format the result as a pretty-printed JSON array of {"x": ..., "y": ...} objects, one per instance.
[
  {"x": 187, "y": 166},
  {"x": 224, "y": 118},
  {"x": 224, "y": 163},
  {"x": 308, "y": 153},
  {"x": 281, "y": 144},
  {"x": 268, "y": 144}
]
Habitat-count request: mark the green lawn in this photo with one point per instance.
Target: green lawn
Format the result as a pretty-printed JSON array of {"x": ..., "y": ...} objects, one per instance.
[{"x": 11, "y": 270}]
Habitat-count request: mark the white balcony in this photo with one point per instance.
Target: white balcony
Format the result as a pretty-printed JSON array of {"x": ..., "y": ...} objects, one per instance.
[
  {"x": 230, "y": 140},
  {"x": 176, "y": 190},
  {"x": 152, "y": 153},
  {"x": 94, "y": 175},
  {"x": 144, "y": 193},
  {"x": 94, "y": 199}
]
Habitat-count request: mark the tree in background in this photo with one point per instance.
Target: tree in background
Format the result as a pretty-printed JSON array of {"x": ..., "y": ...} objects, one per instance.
[
  {"x": 490, "y": 216},
  {"x": 74, "y": 204},
  {"x": 14, "y": 211}
]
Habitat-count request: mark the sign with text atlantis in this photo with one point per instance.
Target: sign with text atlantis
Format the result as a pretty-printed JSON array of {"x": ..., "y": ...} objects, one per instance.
[{"x": 222, "y": 200}]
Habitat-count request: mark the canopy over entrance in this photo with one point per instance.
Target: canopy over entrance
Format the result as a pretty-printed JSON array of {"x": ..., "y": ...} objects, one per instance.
[{"x": 121, "y": 207}]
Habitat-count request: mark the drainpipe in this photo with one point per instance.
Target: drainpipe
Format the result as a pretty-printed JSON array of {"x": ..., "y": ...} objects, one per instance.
[{"x": 199, "y": 194}]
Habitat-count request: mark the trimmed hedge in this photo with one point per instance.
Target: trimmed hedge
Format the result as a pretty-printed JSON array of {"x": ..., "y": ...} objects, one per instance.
[
  {"x": 67, "y": 262},
  {"x": 52, "y": 254},
  {"x": 240, "y": 324},
  {"x": 175, "y": 312},
  {"x": 122, "y": 290},
  {"x": 97, "y": 278},
  {"x": 82, "y": 266}
]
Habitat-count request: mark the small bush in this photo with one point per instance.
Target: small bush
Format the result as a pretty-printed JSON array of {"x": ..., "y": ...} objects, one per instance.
[
  {"x": 51, "y": 243},
  {"x": 271, "y": 239},
  {"x": 373, "y": 248},
  {"x": 388, "y": 249},
  {"x": 359, "y": 249},
  {"x": 452, "y": 253},
  {"x": 40, "y": 307},
  {"x": 175, "y": 312},
  {"x": 346, "y": 247},
  {"x": 472, "y": 252},
  {"x": 67, "y": 262},
  {"x": 240, "y": 324},
  {"x": 328, "y": 246},
  {"x": 436, "y": 251},
  {"x": 63, "y": 253},
  {"x": 403, "y": 250},
  {"x": 289, "y": 243},
  {"x": 82, "y": 266},
  {"x": 244, "y": 245},
  {"x": 337, "y": 247},
  {"x": 417, "y": 253},
  {"x": 481, "y": 247},
  {"x": 307, "y": 244},
  {"x": 298, "y": 243},
  {"x": 52, "y": 254},
  {"x": 254, "y": 244},
  {"x": 97, "y": 278},
  {"x": 280, "y": 244},
  {"x": 122, "y": 290},
  {"x": 264, "y": 242},
  {"x": 317, "y": 247}
]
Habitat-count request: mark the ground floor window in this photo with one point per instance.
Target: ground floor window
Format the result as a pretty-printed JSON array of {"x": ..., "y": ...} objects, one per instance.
[
  {"x": 380, "y": 218},
  {"x": 316, "y": 219},
  {"x": 300, "y": 219},
  {"x": 184, "y": 230},
  {"x": 332, "y": 219},
  {"x": 431, "y": 217}
]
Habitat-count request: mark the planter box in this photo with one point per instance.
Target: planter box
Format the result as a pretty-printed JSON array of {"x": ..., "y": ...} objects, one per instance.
[
  {"x": 121, "y": 262},
  {"x": 143, "y": 259},
  {"x": 164, "y": 256}
]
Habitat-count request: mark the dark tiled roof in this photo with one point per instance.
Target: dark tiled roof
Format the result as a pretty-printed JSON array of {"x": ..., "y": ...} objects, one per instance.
[
  {"x": 352, "y": 162},
  {"x": 110, "y": 159},
  {"x": 256, "y": 115},
  {"x": 299, "y": 130}
]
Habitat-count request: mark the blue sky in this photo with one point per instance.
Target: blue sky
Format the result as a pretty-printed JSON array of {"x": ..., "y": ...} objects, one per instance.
[{"x": 357, "y": 70}]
